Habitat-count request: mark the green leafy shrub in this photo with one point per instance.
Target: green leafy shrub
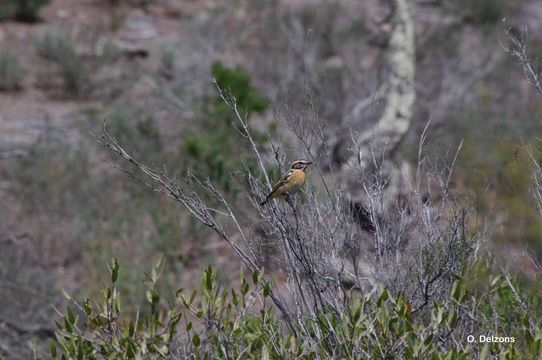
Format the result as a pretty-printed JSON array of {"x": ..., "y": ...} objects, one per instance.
[
  {"x": 23, "y": 10},
  {"x": 240, "y": 323},
  {"x": 238, "y": 84},
  {"x": 11, "y": 72},
  {"x": 213, "y": 147}
]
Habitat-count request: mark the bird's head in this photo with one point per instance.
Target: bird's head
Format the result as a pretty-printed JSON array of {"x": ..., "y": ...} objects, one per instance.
[{"x": 300, "y": 164}]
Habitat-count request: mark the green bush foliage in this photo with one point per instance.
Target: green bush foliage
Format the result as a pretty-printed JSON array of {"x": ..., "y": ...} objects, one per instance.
[
  {"x": 11, "y": 72},
  {"x": 240, "y": 323},
  {"x": 238, "y": 84},
  {"x": 23, "y": 10},
  {"x": 213, "y": 147}
]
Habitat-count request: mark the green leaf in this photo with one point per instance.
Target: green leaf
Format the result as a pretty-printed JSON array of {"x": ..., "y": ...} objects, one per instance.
[
  {"x": 244, "y": 287},
  {"x": 456, "y": 289},
  {"x": 255, "y": 277},
  {"x": 116, "y": 301},
  {"x": 87, "y": 307},
  {"x": 131, "y": 329},
  {"x": 428, "y": 339},
  {"x": 153, "y": 296},
  {"x": 71, "y": 316},
  {"x": 157, "y": 269},
  {"x": 114, "y": 268},
  {"x": 535, "y": 347},
  {"x": 234, "y": 298},
  {"x": 52, "y": 347},
  {"x": 173, "y": 323},
  {"x": 179, "y": 293},
  {"x": 68, "y": 326},
  {"x": 356, "y": 315},
  {"x": 196, "y": 340},
  {"x": 266, "y": 289},
  {"x": 383, "y": 297},
  {"x": 209, "y": 279},
  {"x": 440, "y": 315},
  {"x": 452, "y": 317}
]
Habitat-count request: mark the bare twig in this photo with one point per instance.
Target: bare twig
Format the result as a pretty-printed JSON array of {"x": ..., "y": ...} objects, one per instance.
[{"x": 517, "y": 47}]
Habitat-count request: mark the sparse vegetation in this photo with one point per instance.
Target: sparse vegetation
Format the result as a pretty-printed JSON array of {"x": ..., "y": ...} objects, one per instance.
[
  {"x": 29, "y": 293},
  {"x": 139, "y": 131},
  {"x": 52, "y": 185},
  {"x": 61, "y": 50},
  {"x": 11, "y": 72}
]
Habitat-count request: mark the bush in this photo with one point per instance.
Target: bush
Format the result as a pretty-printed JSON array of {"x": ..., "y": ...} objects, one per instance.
[
  {"x": 11, "y": 72},
  {"x": 236, "y": 83},
  {"x": 61, "y": 51},
  {"x": 213, "y": 147},
  {"x": 23, "y": 10},
  {"x": 239, "y": 323}
]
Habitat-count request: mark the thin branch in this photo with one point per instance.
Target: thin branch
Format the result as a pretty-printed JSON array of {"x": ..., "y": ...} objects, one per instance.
[{"x": 517, "y": 47}]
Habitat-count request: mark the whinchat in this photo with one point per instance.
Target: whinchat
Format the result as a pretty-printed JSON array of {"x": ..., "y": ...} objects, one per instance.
[{"x": 291, "y": 182}]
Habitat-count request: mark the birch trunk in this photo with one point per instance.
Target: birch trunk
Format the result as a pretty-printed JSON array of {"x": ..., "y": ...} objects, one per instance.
[{"x": 386, "y": 134}]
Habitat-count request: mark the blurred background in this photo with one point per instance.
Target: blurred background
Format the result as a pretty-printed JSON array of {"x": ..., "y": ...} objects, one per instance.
[{"x": 146, "y": 65}]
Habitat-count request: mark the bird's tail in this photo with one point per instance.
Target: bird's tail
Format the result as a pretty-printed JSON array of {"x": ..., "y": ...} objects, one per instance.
[{"x": 265, "y": 201}]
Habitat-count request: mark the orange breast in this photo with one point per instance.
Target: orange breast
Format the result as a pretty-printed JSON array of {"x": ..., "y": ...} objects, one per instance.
[{"x": 296, "y": 181}]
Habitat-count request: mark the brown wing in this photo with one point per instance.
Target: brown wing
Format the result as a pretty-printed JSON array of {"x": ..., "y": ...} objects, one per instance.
[
  {"x": 283, "y": 179},
  {"x": 278, "y": 186},
  {"x": 277, "y": 189}
]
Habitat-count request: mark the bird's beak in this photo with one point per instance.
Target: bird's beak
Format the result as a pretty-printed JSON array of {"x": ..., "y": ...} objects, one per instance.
[{"x": 309, "y": 163}]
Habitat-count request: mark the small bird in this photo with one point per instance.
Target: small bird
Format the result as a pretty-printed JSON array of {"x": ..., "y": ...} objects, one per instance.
[{"x": 291, "y": 182}]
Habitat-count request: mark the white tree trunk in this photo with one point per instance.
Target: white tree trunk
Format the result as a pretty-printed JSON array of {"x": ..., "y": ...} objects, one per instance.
[{"x": 385, "y": 135}]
